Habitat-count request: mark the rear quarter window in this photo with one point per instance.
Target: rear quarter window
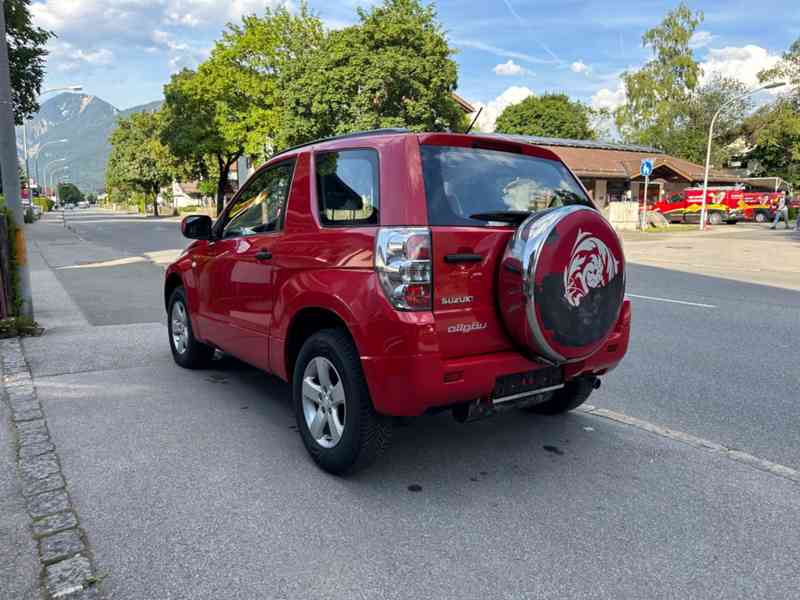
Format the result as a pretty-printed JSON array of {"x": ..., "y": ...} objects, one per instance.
[
  {"x": 460, "y": 182},
  {"x": 347, "y": 187}
]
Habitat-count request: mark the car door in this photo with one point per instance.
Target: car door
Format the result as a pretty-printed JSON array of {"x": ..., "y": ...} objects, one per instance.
[{"x": 238, "y": 272}]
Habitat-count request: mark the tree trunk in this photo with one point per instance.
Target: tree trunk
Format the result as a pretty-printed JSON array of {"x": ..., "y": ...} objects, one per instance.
[
  {"x": 222, "y": 183},
  {"x": 155, "y": 204},
  {"x": 222, "y": 180}
]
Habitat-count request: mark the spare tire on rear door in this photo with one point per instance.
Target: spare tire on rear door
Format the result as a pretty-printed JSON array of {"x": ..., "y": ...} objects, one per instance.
[{"x": 562, "y": 283}]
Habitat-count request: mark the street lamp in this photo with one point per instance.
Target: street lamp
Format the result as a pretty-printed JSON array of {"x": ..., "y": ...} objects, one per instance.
[
  {"x": 769, "y": 86},
  {"x": 56, "y": 170},
  {"x": 66, "y": 88},
  {"x": 48, "y": 165},
  {"x": 36, "y": 159}
]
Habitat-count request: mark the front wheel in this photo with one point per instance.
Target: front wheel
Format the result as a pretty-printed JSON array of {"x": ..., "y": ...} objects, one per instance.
[
  {"x": 715, "y": 218},
  {"x": 761, "y": 217},
  {"x": 187, "y": 350},
  {"x": 338, "y": 424},
  {"x": 571, "y": 396}
]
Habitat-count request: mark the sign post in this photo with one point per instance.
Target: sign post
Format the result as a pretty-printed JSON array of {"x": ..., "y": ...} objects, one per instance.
[{"x": 645, "y": 170}]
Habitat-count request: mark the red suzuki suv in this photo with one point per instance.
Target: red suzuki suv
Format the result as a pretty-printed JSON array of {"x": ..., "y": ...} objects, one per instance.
[{"x": 390, "y": 273}]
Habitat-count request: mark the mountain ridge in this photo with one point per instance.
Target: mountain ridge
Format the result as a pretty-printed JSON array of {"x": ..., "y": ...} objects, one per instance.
[{"x": 87, "y": 122}]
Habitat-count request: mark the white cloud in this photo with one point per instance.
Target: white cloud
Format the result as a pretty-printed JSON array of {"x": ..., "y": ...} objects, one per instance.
[
  {"x": 509, "y": 69},
  {"x": 579, "y": 67},
  {"x": 492, "y": 110},
  {"x": 701, "y": 39},
  {"x": 608, "y": 98},
  {"x": 65, "y": 57},
  {"x": 742, "y": 63}
]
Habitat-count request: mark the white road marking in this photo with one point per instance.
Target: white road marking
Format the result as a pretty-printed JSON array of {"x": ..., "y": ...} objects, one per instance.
[
  {"x": 671, "y": 301},
  {"x": 686, "y": 438}
]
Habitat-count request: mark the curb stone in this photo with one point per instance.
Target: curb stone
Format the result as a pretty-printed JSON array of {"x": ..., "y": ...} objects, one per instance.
[{"x": 67, "y": 568}]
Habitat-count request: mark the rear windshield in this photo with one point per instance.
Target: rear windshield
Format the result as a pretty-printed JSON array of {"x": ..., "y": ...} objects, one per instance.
[{"x": 460, "y": 182}]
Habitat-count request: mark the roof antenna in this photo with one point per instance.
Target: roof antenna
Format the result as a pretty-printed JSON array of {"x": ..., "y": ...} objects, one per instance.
[{"x": 471, "y": 125}]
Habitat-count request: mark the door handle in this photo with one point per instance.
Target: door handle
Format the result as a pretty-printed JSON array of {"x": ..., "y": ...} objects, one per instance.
[
  {"x": 463, "y": 258},
  {"x": 263, "y": 254}
]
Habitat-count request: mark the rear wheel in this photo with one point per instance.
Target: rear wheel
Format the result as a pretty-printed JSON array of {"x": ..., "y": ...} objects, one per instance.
[
  {"x": 570, "y": 397},
  {"x": 715, "y": 218},
  {"x": 761, "y": 217},
  {"x": 187, "y": 351},
  {"x": 340, "y": 428}
]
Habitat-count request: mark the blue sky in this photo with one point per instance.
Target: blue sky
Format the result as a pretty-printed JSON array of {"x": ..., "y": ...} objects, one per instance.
[{"x": 125, "y": 50}]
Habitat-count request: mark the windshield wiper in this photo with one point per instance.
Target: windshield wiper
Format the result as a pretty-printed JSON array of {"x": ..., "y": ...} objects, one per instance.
[{"x": 515, "y": 217}]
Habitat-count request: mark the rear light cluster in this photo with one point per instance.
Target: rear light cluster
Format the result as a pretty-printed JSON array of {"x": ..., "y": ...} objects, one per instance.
[{"x": 404, "y": 267}]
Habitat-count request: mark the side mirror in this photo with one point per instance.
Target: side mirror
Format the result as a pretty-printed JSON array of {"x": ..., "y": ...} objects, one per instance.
[{"x": 196, "y": 227}]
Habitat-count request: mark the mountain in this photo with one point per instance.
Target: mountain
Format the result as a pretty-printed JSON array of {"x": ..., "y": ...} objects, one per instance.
[{"x": 86, "y": 122}]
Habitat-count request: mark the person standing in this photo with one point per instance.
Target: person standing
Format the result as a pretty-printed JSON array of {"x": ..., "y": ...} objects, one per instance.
[{"x": 782, "y": 211}]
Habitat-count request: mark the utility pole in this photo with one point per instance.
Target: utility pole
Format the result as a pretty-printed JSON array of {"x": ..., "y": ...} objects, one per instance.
[{"x": 8, "y": 166}]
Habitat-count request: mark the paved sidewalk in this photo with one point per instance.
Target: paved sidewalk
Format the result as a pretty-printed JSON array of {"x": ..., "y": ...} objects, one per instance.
[{"x": 743, "y": 252}]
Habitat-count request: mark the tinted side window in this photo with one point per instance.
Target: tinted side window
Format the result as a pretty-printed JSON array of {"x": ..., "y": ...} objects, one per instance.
[
  {"x": 347, "y": 187},
  {"x": 259, "y": 208}
]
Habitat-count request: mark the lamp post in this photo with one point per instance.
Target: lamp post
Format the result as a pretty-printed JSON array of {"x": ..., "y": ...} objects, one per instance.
[
  {"x": 769, "y": 86},
  {"x": 47, "y": 166},
  {"x": 52, "y": 176},
  {"x": 68, "y": 88},
  {"x": 36, "y": 159}
]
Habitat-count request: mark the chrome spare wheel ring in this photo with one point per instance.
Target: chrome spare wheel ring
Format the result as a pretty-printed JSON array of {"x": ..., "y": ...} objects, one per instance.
[
  {"x": 180, "y": 327},
  {"x": 324, "y": 406}
]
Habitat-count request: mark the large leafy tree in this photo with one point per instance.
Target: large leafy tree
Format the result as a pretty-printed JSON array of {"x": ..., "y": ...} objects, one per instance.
[
  {"x": 139, "y": 161},
  {"x": 657, "y": 95},
  {"x": 392, "y": 69},
  {"x": 232, "y": 104},
  {"x": 69, "y": 193},
  {"x": 26, "y": 57},
  {"x": 553, "y": 115}
]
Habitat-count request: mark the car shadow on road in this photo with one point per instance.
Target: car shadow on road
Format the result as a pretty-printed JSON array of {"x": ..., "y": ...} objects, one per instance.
[{"x": 434, "y": 448}]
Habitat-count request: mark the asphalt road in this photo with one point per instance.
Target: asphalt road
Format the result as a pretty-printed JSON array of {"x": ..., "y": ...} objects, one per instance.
[
  {"x": 723, "y": 373},
  {"x": 195, "y": 484}
]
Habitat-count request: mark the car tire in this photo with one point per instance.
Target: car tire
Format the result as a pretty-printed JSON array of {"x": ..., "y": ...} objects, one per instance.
[
  {"x": 715, "y": 218},
  {"x": 328, "y": 387},
  {"x": 571, "y": 396},
  {"x": 187, "y": 350},
  {"x": 760, "y": 217}
]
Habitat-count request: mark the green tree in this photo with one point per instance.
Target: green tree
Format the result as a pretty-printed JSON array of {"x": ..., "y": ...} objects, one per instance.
[
  {"x": 139, "y": 161},
  {"x": 774, "y": 134},
  {"x": 393, "y": 69},
  {"x": 26, "y": 57},
  {"x": 689, "y": 134},
  {"x": 68, "y": 193},
  {"x": 232, "y": 104},
  {"x": 658, "y": 94},
  {"x": 552, "y": 115}
]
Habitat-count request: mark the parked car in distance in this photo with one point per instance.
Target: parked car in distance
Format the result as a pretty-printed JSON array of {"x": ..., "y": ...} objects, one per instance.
[
  {"x": 392, "y": 274},
  {"x": 83, "y": 204}
]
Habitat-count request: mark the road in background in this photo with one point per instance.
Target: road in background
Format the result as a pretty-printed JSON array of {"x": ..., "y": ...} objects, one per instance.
[{"x": 723, "y": 373}]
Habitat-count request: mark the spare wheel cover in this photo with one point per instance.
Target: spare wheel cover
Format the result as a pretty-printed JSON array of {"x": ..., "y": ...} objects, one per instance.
[{"x": 562, "y": 283}]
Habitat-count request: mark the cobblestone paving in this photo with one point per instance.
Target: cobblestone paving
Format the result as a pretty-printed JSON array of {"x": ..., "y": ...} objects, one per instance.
[{"x": 68, "y": 571}]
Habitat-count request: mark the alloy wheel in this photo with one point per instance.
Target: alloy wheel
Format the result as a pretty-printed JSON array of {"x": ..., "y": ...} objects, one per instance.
[
  {"x": 324, "y": 407},
  {"x": 180, "y": 327}
]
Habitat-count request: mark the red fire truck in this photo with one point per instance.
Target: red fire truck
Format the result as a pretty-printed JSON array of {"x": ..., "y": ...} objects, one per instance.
[{"x": 723, "y": 204}]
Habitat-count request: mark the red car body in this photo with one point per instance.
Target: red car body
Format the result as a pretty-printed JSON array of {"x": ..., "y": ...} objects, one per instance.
[{"x": 322, "y": 276}]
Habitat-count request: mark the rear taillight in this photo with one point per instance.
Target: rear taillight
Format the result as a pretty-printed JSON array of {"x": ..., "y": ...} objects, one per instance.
[{"x": 403, "y": 264}]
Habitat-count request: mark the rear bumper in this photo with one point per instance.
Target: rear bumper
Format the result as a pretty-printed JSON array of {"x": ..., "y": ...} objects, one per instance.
[{"x": 412, "y": 385}]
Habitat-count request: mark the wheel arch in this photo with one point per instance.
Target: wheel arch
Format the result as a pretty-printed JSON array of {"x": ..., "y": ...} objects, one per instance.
[
  {"x": 305, "y": 323},
  {"x": 172, "y": 282}
]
